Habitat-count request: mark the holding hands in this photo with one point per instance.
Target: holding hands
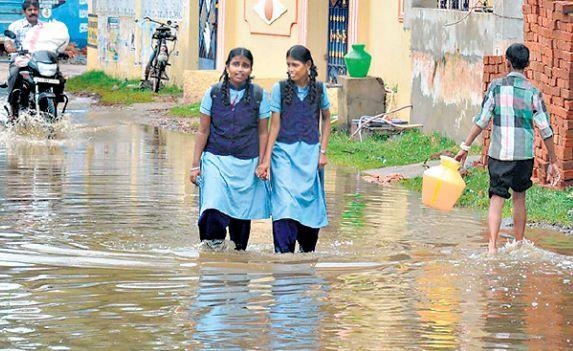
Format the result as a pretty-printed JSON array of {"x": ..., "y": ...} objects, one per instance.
[{"x": 262, "y": 170}]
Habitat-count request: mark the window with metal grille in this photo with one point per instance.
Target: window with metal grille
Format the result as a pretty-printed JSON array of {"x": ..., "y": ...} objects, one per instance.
[{"x": 463, "y": 5}]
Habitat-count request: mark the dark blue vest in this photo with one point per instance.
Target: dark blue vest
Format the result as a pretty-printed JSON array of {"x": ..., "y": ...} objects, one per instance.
[
  {"x": 234, "y": 130},
  {"x": 300, "y": 119}
]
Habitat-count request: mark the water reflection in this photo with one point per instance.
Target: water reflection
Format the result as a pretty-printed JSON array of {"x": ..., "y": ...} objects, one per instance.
[
  {"x": 238, "y": 307},
  {"x": 99, "y": 251}
]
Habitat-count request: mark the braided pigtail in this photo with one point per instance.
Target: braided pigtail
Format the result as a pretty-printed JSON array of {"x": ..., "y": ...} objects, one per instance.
[
  {"x": 248, "y": 90},
  {"x": 289, "y": 91},
  {"x": 312, "y": 83},
  {"x": 225, "y": 87}
]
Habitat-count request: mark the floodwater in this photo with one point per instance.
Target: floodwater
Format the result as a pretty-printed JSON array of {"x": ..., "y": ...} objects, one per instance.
[{"x": 99, "y": 251}]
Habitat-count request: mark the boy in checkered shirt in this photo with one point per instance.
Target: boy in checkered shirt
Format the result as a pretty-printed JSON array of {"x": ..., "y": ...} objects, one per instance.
[{"x": 516, "y": 107}]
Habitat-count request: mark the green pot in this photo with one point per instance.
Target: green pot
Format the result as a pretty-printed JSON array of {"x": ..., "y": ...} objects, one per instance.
[{"x": 357, "y": 61}]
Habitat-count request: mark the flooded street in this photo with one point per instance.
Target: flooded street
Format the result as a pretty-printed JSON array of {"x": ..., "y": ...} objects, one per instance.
[{"x": 99, "y": 251}]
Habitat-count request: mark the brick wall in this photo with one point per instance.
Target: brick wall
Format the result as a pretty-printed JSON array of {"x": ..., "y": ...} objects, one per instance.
[{"x": 548, "y": 32}]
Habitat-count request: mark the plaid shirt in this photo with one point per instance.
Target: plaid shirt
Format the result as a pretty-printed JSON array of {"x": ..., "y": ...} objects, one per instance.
[{"x": 515, "y": 106}]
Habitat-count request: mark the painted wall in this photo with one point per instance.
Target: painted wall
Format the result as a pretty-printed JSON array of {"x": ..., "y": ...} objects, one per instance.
[
  {"x": 123, "y": 45},
  {"x": 382, "y": 29},
  {"x": 123, "y": 39},
  {"x": 243, "y": 28},
  {"x": 303, "y": 22},
  {"x": 74, "y": 13},
  {"x": 10, "y": 11},
  {"x": 447, "y": 49}
]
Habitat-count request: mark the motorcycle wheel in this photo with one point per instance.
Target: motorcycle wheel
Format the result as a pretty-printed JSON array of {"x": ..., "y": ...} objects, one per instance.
[
  {"x": 48, "y": 108},
  {"x": 157, "y": 78}
]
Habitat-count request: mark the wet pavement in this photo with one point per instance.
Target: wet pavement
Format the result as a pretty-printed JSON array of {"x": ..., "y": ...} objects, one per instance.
[{"x": 99, "y": 251}]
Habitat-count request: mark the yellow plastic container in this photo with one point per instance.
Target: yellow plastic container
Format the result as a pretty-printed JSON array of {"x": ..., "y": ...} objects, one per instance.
[{"x": 442, "y": 185}]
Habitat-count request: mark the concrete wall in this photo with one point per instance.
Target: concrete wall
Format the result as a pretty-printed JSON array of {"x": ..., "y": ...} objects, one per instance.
[
  {"x": 447, "y": 61},
  {"x": 124, "y": 40},
  {"x": 304, "y": 22},
  {"x": 389, "y": 44}
]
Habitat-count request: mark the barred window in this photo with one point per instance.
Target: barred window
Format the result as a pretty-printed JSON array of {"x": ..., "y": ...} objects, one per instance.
[{"x": 463, "y": 5}]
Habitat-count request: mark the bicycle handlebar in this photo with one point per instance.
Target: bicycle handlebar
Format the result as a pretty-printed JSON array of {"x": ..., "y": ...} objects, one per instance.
[{"x": 166, "y": 24}]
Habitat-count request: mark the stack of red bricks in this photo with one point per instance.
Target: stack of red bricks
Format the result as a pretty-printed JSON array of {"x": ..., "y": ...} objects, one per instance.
[{"x": 548, "y": 32}]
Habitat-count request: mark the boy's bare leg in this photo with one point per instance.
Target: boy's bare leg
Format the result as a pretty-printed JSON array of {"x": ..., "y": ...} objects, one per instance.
[
  {"x": 519, "y": 215},
  {"x": 494, "y": 221}
]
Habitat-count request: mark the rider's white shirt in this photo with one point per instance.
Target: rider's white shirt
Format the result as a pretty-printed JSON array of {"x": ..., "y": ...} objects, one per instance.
[{"x": 20, "y": 28}]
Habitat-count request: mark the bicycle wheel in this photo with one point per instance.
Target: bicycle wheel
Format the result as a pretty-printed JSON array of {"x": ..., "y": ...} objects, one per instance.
[{"x": 157, "y": 74}]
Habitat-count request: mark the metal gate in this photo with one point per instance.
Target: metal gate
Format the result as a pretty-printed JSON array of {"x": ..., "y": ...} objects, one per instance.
[
  {"x": 337, "y": 38},
  {"x": 208, "y": 10}
]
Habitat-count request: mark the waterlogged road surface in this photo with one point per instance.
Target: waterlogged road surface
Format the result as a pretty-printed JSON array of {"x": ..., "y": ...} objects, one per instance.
[{"x": 99, "y": 251}]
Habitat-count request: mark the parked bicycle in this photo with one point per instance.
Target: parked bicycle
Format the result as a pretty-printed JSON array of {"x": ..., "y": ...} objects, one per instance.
[{"x": 159, "y": 59}]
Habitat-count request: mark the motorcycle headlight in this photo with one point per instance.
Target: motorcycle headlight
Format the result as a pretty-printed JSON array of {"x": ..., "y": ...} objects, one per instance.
[{"x": 47, "y": 69}]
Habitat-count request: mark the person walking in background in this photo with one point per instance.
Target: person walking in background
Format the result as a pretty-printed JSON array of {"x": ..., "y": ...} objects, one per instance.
[
  {"x": 516, "y": 107},
  {"x": 231, "y": 140},
  {"x": 296, "y": 154}
]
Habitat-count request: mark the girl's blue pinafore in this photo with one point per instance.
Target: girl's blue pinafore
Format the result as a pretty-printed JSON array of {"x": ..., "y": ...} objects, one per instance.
[
  {"x": 296, "y": 182},
  {"x": 228, "y": 182}
]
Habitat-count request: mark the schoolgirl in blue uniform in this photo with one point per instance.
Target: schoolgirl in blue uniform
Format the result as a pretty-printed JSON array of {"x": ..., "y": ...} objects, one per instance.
[
  {"x": 231, "y": 139},
  {"x": 296, "y": 154}
]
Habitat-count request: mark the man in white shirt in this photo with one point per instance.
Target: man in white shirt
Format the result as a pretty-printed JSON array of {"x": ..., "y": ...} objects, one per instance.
[{"x": 30, "y": 9}]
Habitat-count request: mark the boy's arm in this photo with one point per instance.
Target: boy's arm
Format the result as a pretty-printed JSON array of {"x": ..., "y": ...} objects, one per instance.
[
  {"x": 465, "y": 145},
  {"x": 541, "y": 121},
  {"x": 553, "y": 174},
  {"x": 480, "y": 123}
]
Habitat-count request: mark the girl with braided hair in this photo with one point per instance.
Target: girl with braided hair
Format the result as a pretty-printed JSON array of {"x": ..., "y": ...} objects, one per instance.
[
  {"x": 296, "y": 154},
  {"x": 230, "y": 141}
]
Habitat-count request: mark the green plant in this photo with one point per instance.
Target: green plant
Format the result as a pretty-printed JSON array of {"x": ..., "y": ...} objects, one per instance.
[
  {"x": 381, "y": 151},
  {"x": 114, "y": 91},
  {"x": 189, "y": 110}
]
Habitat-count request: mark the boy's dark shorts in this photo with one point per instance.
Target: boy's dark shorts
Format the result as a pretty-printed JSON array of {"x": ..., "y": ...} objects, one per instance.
[{"x": 504, "y": 175}]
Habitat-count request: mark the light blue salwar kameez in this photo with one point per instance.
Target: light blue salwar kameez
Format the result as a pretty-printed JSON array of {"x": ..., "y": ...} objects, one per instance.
[
  {"x": 296, "y": 182},
  {"x": 229, "y": 184}
]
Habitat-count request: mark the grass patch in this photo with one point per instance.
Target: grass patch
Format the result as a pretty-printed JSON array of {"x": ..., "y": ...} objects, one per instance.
[
  {"x": 383, "y": 151},
  {"x": 548, "y": 205},
  {"x": 543, "y": 204},
  {"x": 186, "y": 111},
  {"x": 115, "y": 91}
]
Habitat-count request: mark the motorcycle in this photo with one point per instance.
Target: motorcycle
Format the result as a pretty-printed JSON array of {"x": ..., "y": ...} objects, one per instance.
[
  {"x": 159, "y": 59},
  {"x": 40, "y": 87}
]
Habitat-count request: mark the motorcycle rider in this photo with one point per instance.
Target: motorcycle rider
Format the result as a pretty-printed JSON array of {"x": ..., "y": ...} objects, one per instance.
[{"x": 30, "y": 9}]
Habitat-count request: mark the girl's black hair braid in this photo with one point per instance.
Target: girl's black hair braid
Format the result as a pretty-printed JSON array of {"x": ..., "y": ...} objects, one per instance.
[
  {"x": 225, "y": 87},
  {"x": 248, "y": 90},
  {"x": 312, "y": 83},
  {"x": 289, "y": 91}
]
